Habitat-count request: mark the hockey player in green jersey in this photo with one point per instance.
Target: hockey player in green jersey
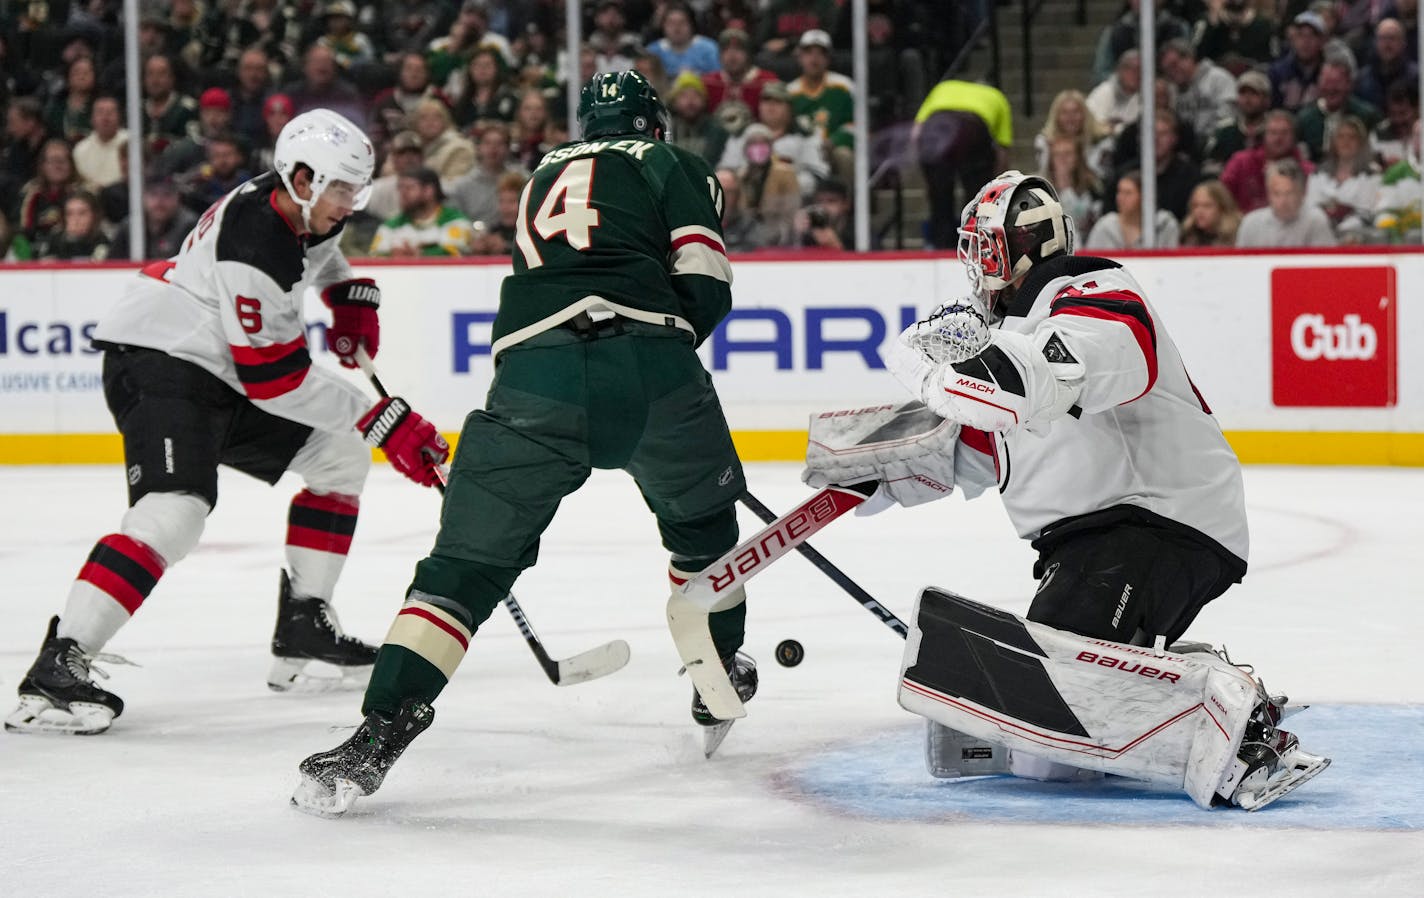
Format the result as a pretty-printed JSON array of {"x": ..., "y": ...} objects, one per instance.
[{"x": 619, "y": 273}]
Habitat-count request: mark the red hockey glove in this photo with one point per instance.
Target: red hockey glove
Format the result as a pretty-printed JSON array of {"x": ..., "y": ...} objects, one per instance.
[
  {"x": 412, "y": 443},
  {"x": 354, "y": 322}
]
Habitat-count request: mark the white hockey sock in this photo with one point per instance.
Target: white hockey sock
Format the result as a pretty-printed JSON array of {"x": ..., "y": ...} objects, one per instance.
[{"x": 319, "y": 531}]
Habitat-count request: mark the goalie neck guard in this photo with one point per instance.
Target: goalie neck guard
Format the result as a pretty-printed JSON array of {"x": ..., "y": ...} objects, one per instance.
[{"x": 1014, "y": 223}]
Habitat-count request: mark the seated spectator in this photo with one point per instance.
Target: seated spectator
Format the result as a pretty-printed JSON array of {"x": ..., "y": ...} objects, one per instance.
[
  {"x": 1177, "y": 174},
  {"x": 1253, "y": 98},
  {"x": 272, "y": 26},
  {"x": 277, "y": 110},
  {"x": 1346, "y": 185},
  {"x": 1401, "y": 110},
  {"x": 214, "y": 120},
  {"x": 100, "y": 158},
  {"x": 322, "y": 86},
  {"x": 741, "y": 232},
  {"x": 1294, "y": 75},
  {"x": 824, "y": 102},
  {"x": 734, "y": 92},
  {"x": 528, "y": 134},
  {"x": 496, "y": 238},
  {"x": 392, "y": 108},
  {"x": 485, "y": 94},
  {"x": 166, "y": 223},
  {"x": 1333, "y": 102},
  {"x": 339, "y": 35},
  {"x": 405, "y": 156},
  {"x": 448, "y": 55},
  {"x": 681, "y": 48},
  {"x": 1127, "y": 144},
  {"x": 768, "y": 185},
  {"x": 254, "y": 84},
  {"x": 1068, "y": 117},
  {"x": 168, "y": 116},
  {"x": 1122, "y": 229},
  {"x": 782, "y": 24},
  {"x": 800, "y": 149},
  {"x": 224, "y": 170},
  {"x": 408, "y": 26},
  {"x": 827, "y": 223},
  {"x": 1206, "y": 93},
  {"x": 1245, "y": 172},
  {"x": 1115, "y": 101},
  {"x": 425, "y": 226},
  {"x": 476, "y": 193},
  {"x": 1286, "y": 220},
  {"x": 42, "y": 199},
  {"x": 1335, "y": 46},
  {"x": 614, "y": 46},
  {"x": 447, "y": 152},
  {"x": 1390, "y": 63},
  {"x": 25, "y": 136},
  {"x": 961, "y": 136},
  {"x": 1122, "y": 35},
  {"x": 81, "y": 239},
  {"x": 1400, "y": 189},
  {"x": 650, "y": 66},
  {"x": 1079, "y": 190},
  {"x": 1236, "y": 37},
  {"x": 67, "y": 115},
  {"x": 693, "y": 128},
  {"x": 1212, "y": 217}
]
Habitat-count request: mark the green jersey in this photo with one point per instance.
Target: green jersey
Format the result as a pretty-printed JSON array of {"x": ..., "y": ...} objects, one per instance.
[{"x": 629, "y": 225}]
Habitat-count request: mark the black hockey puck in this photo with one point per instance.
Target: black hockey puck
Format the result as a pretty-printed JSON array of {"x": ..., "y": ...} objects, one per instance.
[{"x": 789, "y": 653}]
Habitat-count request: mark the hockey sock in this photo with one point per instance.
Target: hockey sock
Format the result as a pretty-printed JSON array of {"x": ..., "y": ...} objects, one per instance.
[
  {"x": 119, "y": 575},
  {"x": 319, "y": 530},
  {"x": 728, "y": 627},
  {"x": 431, "y": 633}
]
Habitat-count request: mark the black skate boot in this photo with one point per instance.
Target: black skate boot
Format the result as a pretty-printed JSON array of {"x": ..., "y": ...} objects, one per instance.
[
  {"x": 333, "y": 780},
  {"x": 741, "y": 670},
  {"x": 58, "y": 696},
  {"x": 307, "y": 630}
]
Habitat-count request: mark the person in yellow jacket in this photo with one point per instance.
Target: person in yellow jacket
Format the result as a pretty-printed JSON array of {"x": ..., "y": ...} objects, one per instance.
[{"x": 962, "y": 134}]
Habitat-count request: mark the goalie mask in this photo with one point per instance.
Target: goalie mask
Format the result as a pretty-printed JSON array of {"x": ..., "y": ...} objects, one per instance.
[{"x": 1013, "y": 224}]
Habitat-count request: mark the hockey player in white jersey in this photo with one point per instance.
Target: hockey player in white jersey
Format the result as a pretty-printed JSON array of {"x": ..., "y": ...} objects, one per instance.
[
  {"x": 1073, "y": 400},
  {"x": 206, "y": 363}
]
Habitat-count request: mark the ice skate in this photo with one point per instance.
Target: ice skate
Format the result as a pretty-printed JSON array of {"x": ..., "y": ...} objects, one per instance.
[
  {"x": 741, "y": 669},
  {"x": 1271, "y": 764},
  {"x": 333, "y": 780},
  {"x": 58, "y": 696},
  {"x": 307, "y": 630}
]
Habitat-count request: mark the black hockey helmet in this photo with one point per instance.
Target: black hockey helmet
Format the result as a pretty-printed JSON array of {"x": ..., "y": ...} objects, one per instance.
[
  {"x": 1015, "y": 222},
  {"x": 621, "y": 103}
]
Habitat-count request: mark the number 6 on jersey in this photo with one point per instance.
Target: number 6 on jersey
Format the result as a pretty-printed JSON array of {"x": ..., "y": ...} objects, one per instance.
[{"x": 565, "y": 210}]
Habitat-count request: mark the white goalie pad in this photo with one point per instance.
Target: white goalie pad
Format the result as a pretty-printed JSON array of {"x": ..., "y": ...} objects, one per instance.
[
  {"x": 1088, "y": 703},
  {"x": 906, "y": 447}
]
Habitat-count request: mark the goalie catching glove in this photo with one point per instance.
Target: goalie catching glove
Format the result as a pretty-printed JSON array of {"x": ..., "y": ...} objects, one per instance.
[
  {"x": 413, "y": 445},
  {"x": 907, "y": 448},
  {"x": 354, "y": 320}
]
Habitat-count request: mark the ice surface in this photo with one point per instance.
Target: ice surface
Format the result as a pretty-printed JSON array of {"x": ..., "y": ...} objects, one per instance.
[{"x": 524, "y": 789}]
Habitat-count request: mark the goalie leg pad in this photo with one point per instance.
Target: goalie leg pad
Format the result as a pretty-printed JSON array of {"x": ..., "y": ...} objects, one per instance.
[{"x": 1088, "y": 703}]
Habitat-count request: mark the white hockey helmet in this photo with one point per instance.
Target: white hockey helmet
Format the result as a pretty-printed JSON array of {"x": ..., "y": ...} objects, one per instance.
[
  {"x": 338, "y": 153},
  {"x": 1015, "y": 222}
]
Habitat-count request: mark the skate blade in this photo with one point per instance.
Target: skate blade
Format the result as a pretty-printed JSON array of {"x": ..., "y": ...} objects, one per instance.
[
  {"x": 1305, "y": 768},
  {"x": 713, "y": 735},
  {"x": 305, "y": 676},
  {"x": 311, "y": 797},
  {"x": 37, "y": 715}
]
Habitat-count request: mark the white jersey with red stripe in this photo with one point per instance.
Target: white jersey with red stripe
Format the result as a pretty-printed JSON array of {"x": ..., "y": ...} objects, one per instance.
[
  {"x": 1100, "y": 409},
  {"x": 231, "y": 302}
]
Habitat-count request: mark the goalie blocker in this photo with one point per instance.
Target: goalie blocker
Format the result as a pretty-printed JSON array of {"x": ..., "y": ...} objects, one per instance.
[{"x": 1191, "y": 721}]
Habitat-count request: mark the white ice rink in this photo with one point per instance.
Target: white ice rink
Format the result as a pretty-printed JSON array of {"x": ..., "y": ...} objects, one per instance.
[{"x": 524, "y": 789}]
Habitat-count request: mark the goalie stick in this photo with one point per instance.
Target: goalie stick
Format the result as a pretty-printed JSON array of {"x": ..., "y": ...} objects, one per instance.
[{"x": 599, "y": 661}]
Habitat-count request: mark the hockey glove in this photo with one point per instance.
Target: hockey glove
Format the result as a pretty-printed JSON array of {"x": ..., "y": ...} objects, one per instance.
[
  {"x": 412, "y": 443},
  {"x": 354, "y": 321}
]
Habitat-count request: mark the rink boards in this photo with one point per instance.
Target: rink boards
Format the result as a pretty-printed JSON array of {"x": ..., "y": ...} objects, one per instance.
[{"x": 1311, "y": 357}]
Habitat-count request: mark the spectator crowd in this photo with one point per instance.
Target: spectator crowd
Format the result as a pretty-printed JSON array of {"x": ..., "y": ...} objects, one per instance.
[
  {"x": 1277, "y": 123},
  {"x": 460, "y": 97}
]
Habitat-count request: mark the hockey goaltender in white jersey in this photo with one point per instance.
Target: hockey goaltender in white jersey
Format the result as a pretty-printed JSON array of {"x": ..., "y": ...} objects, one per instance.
[
  {"x": 206, "y": 364},
  {"x": 1073, "y": 400}
]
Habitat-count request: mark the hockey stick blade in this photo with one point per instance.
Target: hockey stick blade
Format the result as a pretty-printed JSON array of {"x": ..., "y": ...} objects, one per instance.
[{"x": 599, "y": 661}]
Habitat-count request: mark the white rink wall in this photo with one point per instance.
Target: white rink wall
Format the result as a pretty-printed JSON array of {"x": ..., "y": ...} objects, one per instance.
[{"x": 1312, "y": 356}]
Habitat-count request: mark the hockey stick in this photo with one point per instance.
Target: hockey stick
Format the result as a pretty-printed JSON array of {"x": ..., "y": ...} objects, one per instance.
[
  {"x": 717, "y": 587},
  {"x": 599, "y": 661},
  {"x": 838, "y": 577}
]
